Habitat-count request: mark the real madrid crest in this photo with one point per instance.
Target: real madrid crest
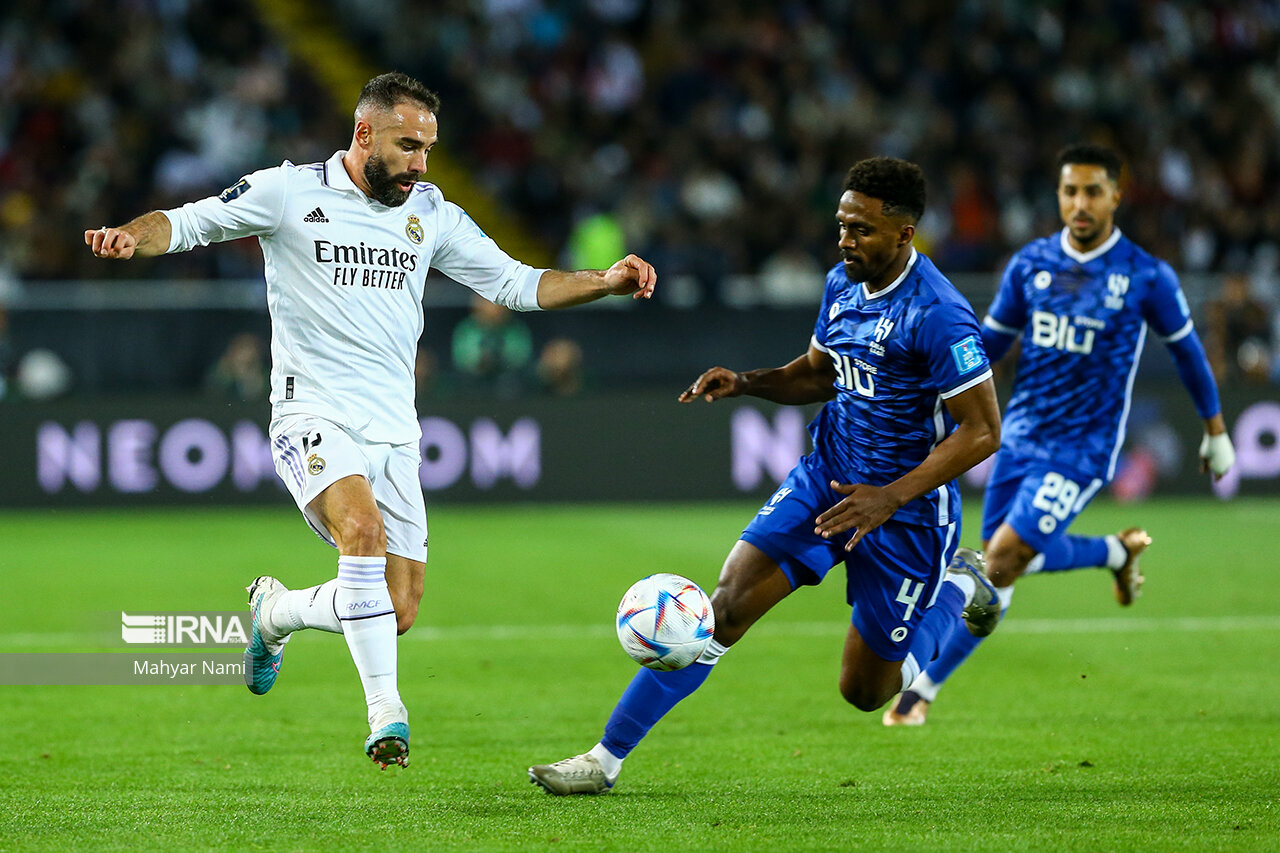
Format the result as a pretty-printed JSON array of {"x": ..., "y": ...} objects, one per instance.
[
  {"x": 315, "y": 464},
  {"x": 414, "y": 229}
]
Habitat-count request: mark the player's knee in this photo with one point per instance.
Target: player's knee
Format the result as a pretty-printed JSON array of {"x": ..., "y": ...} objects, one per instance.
[
  {"x": 362, "y": 534},
  {"x": 732, "y": 620},
  {"x": 861, "y": 695},
  {"x": 1006, "y": 565}
]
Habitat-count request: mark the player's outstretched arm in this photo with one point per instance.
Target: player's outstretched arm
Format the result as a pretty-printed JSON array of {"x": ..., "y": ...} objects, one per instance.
[
  {"x": 144, "y": 237},
  {"x": 632, "y": 276},
  {"x": 808, "y": 379},
  {"x": 977, "y": 436}
]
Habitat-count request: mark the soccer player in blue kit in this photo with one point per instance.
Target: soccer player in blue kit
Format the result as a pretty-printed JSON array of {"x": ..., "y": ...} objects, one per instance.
[
  {"x": 1082, "y": 300},
  {"x": 910, "y": 405}
]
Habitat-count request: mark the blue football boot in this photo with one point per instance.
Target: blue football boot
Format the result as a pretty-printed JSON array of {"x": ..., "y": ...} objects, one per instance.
[{"x": 264, "y": 653}]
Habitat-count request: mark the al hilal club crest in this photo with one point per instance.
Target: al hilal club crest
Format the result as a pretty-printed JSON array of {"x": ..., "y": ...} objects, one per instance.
[{"x": 414, "y": 229}]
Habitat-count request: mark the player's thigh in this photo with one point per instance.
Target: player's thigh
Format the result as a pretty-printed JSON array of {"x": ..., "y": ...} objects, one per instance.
[
  {"x": 349, "y": 512},
  {"x": 311, "y": 456},
  {"x": 1048, "y": 498},
  {"x": 778, "y": 551},
  {"x": 783, "y": 529},
  {"x": 750, "y": 584},
  {"x": 397, "y": 490},
  {"x": 893, "y": 576},
  {"x": 867, "y": 680}
]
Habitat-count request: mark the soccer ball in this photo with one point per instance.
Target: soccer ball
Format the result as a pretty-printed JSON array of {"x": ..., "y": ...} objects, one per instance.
[{"x": 665, "y": 622}]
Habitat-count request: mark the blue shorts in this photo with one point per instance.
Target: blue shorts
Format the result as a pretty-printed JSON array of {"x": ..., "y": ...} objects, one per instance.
[
  {"x": 1038, "y": 499},
  {"x": 892, "y": 575}
]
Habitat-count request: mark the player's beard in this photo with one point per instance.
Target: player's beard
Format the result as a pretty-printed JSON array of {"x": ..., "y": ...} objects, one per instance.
[
  {"x": 384, "y": 186},
  {"x": 1086, "y": 233}
]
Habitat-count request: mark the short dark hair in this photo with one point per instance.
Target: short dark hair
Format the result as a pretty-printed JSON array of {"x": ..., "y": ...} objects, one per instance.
[
  {"x": 897, "y": 183},
  {"x": 387, "y": 90},
  {"x": 1088, "y": 154}
]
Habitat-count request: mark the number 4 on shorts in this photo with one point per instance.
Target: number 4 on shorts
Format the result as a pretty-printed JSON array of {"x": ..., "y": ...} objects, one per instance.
[{"x": 909, "y": 597}]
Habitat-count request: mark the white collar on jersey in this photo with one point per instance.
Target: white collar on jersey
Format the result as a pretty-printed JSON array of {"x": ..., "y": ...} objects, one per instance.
[
  {"x": 911, "y": 262},
  {"x": 1085, "y": 257},
  {"x": 335, "y": 175}
]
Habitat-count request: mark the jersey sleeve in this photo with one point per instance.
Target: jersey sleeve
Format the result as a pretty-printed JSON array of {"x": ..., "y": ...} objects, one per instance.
[
  {"x": 470, "y": 257},
  {"x": 1164, "y": 306},
  {"x": 1165, "y": 309},
  {"x": 251, "y": 207},
  {"x": 951, "y": 344}
]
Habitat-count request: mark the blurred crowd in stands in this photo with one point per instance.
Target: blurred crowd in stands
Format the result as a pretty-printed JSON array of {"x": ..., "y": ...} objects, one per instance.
[
  {"x": 111, "y": 108},
  {"x": 710, "y": 137}
]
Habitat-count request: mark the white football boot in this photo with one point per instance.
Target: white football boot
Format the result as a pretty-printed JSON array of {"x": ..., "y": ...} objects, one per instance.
[{"x": 581, "y": 774}]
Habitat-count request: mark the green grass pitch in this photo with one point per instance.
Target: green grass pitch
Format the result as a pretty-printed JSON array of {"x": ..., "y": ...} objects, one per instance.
[{"x": 1079, "y": 726}]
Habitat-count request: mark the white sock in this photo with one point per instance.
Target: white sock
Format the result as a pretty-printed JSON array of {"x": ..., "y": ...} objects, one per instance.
[
  {"x": 306, "y": 608},
  {"x": 369, "y": 625},
  {"x": 1116, "y": 554},
  {"x": 966, "y": 583},
  {"x": 1005, "y": 594},
  {"x": 925, "y": 688},
  {"x": 911, "y": 668},
  {"x": 611, "y": 763},
  {"x": 712, "y": 653}
]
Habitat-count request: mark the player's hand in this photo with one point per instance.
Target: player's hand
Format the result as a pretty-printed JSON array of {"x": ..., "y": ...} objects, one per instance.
[
  {"x": 716, "y": 383},
  {"x": 1216, "y": 454},
  {"x": 863, "y": 509},
  {"x": 111, "y": 243},
  {"x": 632, "y": 275}
]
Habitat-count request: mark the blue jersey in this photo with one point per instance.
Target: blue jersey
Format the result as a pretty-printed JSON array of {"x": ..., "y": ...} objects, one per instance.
[
  {"x": 1083, "y": 318},
  {"x": 898, "y": 354}
]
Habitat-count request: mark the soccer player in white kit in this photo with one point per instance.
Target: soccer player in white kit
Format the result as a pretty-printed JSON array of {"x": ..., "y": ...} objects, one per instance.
[{"x": 347, "y": 245}]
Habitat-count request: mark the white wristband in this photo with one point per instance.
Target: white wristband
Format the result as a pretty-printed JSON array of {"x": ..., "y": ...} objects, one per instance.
[{"x": 1217, "y": 452}]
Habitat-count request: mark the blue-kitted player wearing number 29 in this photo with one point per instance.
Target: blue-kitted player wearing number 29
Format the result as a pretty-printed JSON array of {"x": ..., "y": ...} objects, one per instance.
[
  {"x": 896, "y": 354},
  {"x": 1082, "y": 300}
]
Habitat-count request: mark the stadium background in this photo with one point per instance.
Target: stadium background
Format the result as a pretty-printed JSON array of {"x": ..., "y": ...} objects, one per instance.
[{"x": 710, "y": 139}]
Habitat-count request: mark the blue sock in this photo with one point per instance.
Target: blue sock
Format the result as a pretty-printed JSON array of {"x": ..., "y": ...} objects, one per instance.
[
  {"x": 645, "y": 701},
  {"x": 938, "y": 624},
  {"x": 958, "y": 647},
  {"x": 956, "y": 651},
  {"x": 1075, "y": 552}
]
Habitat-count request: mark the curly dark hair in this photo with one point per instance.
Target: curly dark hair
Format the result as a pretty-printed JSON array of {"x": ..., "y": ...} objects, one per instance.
[
  {"x": 1088, "y": 154},
  {"x": 897, "y": 183},
  {"x": 387, "y": 90}
]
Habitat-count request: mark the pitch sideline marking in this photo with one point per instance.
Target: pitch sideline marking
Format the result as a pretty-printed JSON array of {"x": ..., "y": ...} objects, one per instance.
[
  {"x": 1188, "y": 624},
  {"x": 430, "y": 633}
]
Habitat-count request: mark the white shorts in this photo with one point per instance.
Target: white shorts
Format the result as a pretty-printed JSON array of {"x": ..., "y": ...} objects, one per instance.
[{"x": 312, "y": 454}]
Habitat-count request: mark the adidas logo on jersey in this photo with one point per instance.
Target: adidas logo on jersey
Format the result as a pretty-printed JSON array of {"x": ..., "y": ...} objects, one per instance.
[{"x": 316, "y": 215}]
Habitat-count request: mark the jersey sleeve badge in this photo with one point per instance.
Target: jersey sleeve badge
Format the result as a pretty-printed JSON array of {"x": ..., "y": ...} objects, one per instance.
[
  {"x": 234, "y": 191},
  {"x": 967, "y": 354}
]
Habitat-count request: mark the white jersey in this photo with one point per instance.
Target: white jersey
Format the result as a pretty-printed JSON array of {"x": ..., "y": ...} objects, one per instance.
[{"x": 345, "y": 276}]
